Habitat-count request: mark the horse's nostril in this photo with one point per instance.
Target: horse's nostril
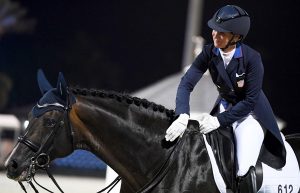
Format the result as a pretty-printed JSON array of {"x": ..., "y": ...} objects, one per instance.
[{"x": 13, "y": 164}]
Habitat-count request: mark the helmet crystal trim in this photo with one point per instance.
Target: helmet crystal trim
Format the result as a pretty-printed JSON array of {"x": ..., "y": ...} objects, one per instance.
[{"x": 222, "y": 17}]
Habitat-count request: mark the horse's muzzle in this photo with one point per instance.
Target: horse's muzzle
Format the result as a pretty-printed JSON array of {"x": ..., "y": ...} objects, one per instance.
[{"x": 14, "y": 171}]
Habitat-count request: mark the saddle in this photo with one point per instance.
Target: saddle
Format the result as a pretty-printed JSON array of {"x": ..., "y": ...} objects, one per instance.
[{"x": 223, "y": 147}]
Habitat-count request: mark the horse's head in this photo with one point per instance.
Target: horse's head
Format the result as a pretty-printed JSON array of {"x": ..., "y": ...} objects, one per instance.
[
  {"x": 47, "y": 135},
  {"x": 126, "y": 132}
]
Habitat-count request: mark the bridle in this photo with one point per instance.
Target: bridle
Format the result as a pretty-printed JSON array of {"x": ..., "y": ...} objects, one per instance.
[{"x": 41, "y": 158}]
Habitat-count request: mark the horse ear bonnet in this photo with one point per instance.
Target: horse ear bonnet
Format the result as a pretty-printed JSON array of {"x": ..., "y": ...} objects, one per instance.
[
  {"x": 53, "y": 98},
  {"x": 43, "y": 83}
]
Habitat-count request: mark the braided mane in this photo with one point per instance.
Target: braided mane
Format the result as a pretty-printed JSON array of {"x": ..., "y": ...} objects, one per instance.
[{"x": 123, "y": 97}]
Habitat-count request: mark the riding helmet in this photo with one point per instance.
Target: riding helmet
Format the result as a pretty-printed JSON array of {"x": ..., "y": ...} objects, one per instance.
[{"x": 231, "y": 18}]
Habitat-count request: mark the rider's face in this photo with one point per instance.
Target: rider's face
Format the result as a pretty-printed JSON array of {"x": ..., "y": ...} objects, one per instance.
[{"x": 221, "y": 39}]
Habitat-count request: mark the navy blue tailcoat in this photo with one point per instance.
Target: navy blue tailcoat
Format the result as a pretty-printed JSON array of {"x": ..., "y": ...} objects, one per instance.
[{"x": 241, "y": 85}]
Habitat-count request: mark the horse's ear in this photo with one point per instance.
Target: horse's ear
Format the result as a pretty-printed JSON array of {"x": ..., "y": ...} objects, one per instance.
[
  {"x": 43, "y": 83},
  {"x": 61, "y": 85}
]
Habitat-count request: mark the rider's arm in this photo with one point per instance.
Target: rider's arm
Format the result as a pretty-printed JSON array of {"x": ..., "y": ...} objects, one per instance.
[{"x": 189, "y": 80}]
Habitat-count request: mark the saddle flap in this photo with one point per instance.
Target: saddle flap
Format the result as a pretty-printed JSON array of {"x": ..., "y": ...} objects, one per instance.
[{"x": 222, "y": 144}]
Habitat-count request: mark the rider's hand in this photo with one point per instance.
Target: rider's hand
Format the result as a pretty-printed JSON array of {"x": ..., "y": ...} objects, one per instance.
[
  {"x": 207, "y": 123},
  {"x": 177, "y": 128}
]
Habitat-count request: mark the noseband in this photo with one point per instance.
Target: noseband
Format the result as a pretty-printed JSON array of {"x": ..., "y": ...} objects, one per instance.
[{"x": 41, "y": 158}]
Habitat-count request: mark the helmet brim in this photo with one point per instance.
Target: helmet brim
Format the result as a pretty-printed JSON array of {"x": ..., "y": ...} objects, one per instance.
[{"x": 213, "y": 25}]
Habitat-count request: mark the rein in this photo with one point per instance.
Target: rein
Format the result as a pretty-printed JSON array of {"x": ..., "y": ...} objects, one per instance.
[
  {"x": 41, "y": 158},
  {"x": 163, "y": 170}
]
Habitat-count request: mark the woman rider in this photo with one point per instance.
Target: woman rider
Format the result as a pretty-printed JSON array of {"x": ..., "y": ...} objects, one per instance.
[{"x": 237, "y": 71}]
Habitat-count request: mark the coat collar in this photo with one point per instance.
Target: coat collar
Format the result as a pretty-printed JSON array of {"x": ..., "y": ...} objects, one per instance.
[
  {"x": 237, "y": 54},
  {"x": 227, "y": 74}
]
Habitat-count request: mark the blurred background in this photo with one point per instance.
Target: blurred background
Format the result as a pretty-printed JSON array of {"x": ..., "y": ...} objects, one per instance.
[{"x": 132, "y": 46}]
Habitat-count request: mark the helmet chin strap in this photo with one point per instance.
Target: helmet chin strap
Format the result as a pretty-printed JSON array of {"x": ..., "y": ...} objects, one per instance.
[{"x": 230, "y": 43}]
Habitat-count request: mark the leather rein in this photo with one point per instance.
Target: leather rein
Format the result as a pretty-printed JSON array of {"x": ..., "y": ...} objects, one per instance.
[{"x": 41, "y": 158}]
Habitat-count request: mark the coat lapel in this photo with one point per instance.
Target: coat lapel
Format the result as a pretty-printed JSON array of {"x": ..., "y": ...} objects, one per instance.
[
  {"x": 231, "y": 68},
  {"x": 229, "y": 74},
  {"x": 234, "y": 63},
  {"x": 220, "y": 67}
]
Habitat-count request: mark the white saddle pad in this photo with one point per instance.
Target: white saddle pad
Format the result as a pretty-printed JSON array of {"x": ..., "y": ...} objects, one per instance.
[{"x": 285, "y": 180}]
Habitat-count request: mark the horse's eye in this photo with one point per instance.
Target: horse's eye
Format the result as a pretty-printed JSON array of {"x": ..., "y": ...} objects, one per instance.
[{"x": 49, "y": 123}]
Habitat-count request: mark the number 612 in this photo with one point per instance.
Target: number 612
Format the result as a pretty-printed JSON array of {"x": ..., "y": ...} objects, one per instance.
[{"x": 285, "y": 189}]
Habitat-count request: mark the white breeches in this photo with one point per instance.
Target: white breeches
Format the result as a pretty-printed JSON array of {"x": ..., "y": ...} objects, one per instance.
[{"x": 249, "y": 136}]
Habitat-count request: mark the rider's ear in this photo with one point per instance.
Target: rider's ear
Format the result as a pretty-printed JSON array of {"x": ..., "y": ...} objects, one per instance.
[
  {"x": 61, "y": 85},
  {"x": 43, "y": 83}
]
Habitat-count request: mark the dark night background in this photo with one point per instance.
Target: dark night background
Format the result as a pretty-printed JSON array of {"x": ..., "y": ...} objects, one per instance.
[{"x": 126, "y": 45}]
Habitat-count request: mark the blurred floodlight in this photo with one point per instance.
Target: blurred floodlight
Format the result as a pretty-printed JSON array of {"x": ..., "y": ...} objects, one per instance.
[{"x": 25, "y": 124}]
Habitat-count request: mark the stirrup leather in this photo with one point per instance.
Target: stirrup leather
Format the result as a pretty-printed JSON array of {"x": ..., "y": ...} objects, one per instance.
[{"x": 247, "y": 183}]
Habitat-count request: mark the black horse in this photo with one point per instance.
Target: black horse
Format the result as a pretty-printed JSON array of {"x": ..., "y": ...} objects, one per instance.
[{"x": 126, "y": 132}]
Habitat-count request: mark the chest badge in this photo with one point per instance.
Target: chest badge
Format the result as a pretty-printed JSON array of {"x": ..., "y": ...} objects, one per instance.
[
  {"x": 240, "y": 83},
  {"x": 240, "y": 80}
]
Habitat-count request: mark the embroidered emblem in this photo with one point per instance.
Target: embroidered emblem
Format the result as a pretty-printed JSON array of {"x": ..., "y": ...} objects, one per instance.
[
  {"x": 240, "y": 79},
  {"x": 240, "y": 83},
  {"x": 240, "y": 75}
]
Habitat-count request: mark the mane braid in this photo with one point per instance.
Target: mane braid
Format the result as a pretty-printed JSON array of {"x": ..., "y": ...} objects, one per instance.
[{"x": 123, "y": 97}]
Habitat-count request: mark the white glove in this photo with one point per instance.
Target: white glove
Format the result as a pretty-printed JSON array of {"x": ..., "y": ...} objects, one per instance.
[
  {"x": 207, "y": 123},
  {"x": 177, "y": 128}
]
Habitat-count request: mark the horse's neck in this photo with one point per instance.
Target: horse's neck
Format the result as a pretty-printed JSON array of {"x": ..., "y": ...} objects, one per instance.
[{"x": 126, "y": 137}]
